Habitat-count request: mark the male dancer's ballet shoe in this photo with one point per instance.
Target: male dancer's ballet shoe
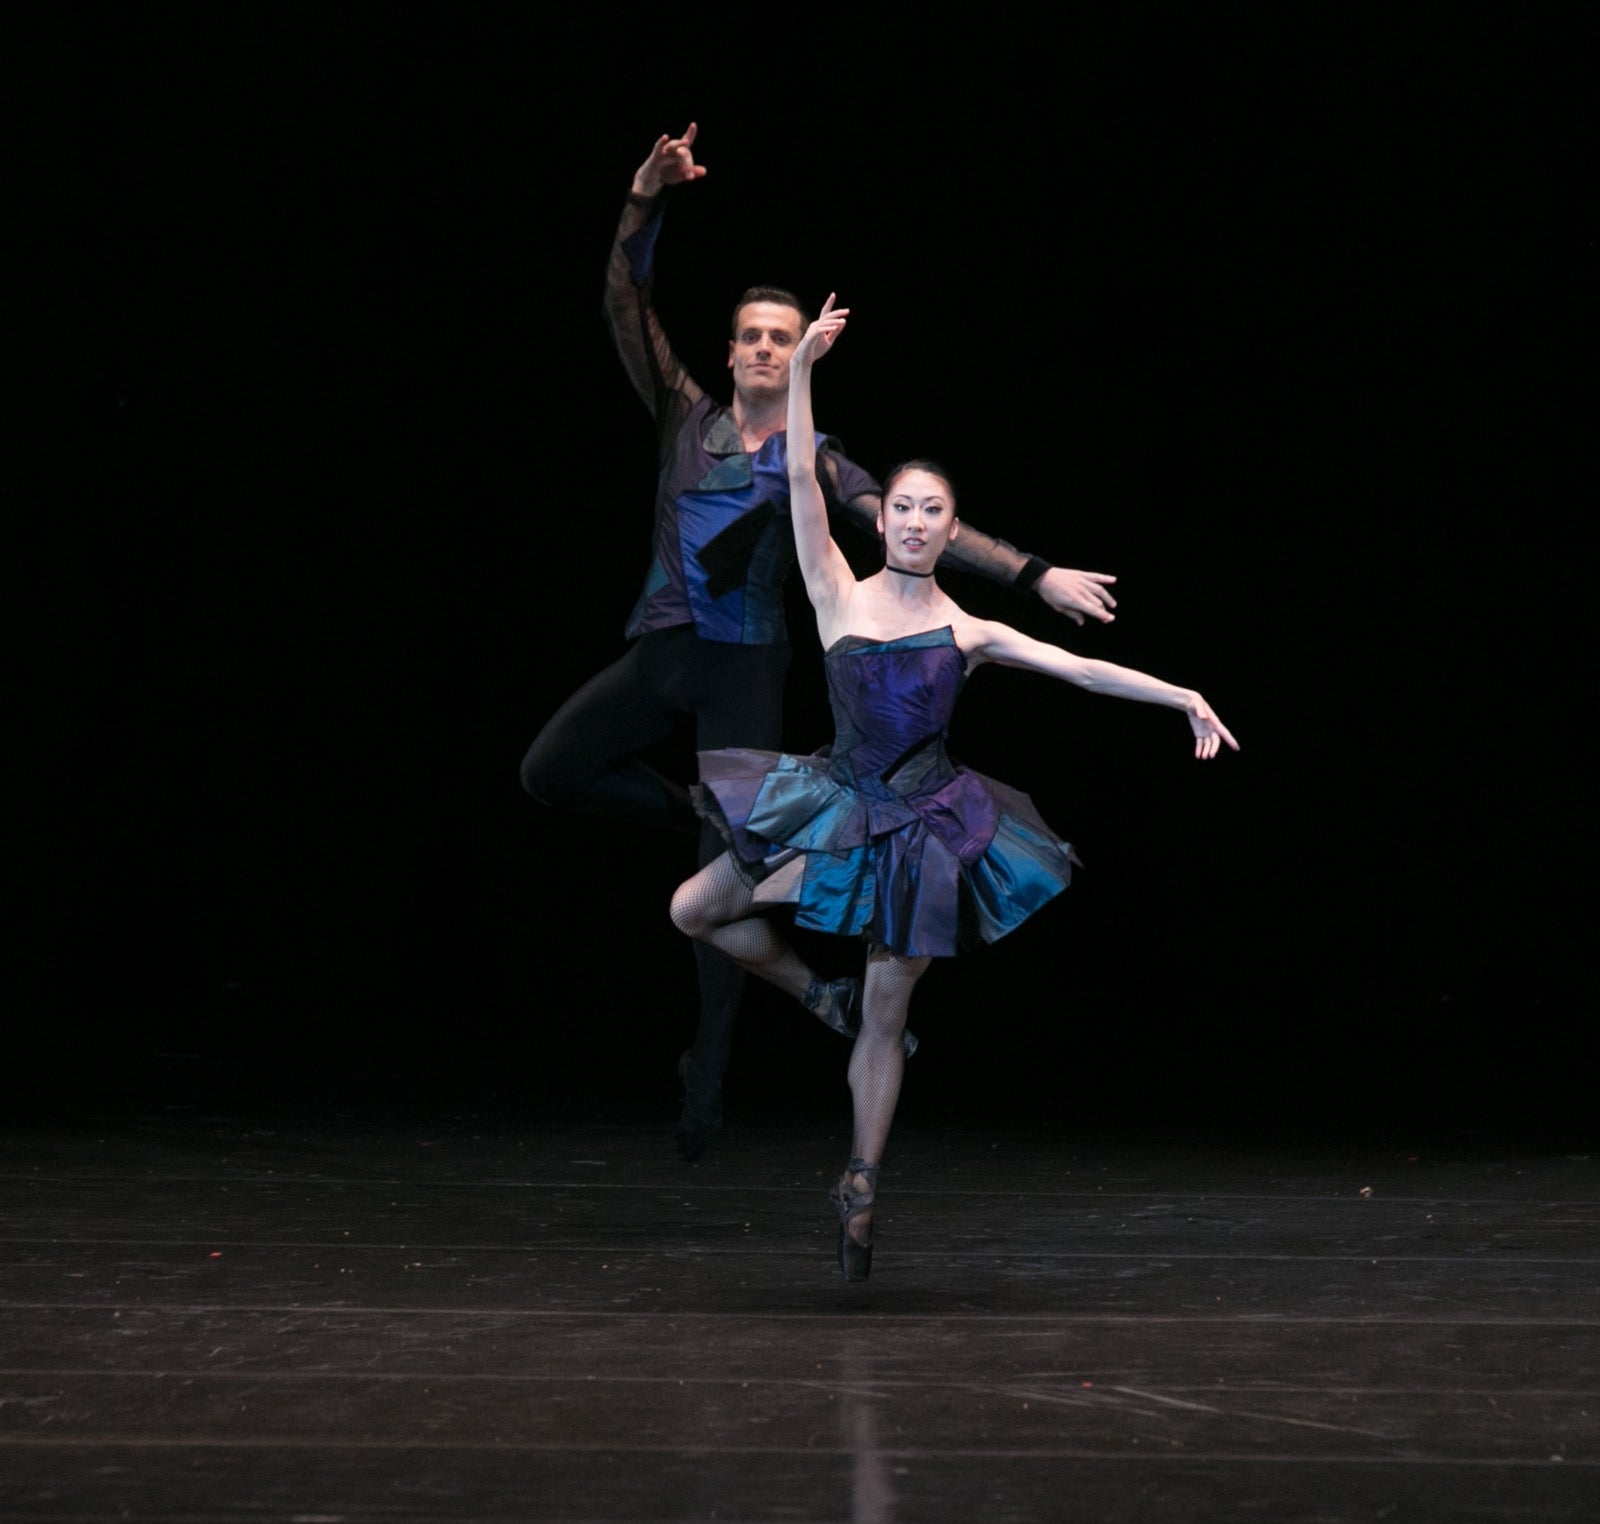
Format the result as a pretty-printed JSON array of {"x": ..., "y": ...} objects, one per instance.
[
  {"x": 694, "y": 1131},
  {"x": 691, "y": 1139},
  {"x": 837, "y": 1004},
  {"x": 855, "y": 1258}
]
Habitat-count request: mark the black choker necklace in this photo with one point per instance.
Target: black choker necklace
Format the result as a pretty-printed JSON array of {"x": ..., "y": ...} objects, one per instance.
[{"x": 904, "y": 573}]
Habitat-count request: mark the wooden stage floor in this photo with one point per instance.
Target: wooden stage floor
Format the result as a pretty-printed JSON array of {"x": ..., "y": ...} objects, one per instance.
[{"x": 321, "y": 1311}]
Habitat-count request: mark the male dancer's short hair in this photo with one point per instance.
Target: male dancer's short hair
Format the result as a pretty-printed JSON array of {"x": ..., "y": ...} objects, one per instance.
[{"x": 770, "y": 294}]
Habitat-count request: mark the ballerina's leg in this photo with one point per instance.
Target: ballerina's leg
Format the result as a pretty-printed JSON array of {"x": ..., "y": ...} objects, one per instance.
[
  {"x": 718, "y": 907},
  {"x": 877, "y": 1063}
]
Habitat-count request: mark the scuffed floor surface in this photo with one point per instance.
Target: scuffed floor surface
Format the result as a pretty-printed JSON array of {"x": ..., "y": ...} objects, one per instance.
[{"x": 388, "y": 1313}]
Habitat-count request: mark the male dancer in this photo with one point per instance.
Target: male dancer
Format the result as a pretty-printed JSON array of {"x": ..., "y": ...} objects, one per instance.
[{"x": 707, "y": 632}]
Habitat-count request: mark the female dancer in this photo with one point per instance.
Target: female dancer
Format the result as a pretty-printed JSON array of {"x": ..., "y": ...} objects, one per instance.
[{"x": 882, "y": 836}]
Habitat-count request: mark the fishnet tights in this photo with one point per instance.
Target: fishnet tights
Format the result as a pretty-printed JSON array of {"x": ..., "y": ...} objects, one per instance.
[
  {"x": 878, "y": 1058},
  {"x": 718, "y": 907},
  {"x": 877, "y": 1062}
]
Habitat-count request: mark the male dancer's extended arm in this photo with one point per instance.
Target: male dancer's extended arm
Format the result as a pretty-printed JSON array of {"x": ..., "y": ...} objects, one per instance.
[{"x": 657, "y": 374}]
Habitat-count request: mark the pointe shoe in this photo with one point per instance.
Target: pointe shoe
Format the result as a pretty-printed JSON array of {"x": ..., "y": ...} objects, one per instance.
[
  {"x": 836, "y": 1003},
  {"x": 855, "y": 1258}
]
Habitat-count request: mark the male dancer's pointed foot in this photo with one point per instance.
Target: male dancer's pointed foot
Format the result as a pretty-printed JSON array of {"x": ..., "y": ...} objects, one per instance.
[
  {"x": 694, "y": 1126},
  {"x": 837, "y": 1004},
  {"x": 691, "y": 1139}
]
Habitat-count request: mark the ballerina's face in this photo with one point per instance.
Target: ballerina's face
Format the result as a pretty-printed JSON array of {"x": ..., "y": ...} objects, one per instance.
[{"x": 917, "y": 520}]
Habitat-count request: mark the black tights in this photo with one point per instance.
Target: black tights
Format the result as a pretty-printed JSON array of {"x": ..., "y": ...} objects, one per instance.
[{"x": 586, "y": 760}]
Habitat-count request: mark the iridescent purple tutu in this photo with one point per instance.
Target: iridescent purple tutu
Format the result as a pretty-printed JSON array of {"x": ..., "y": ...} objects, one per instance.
[{"x": 882, "y": 835}]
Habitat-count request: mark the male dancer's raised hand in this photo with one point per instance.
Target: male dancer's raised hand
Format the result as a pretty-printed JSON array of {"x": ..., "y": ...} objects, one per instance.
[{"x": 671, "y": 162}]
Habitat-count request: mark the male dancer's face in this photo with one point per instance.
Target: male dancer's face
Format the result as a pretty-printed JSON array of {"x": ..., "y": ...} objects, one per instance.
[{"x": 758, "y": 353}]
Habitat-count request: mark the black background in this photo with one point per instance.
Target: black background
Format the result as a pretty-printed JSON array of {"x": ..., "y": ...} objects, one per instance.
[{"x": 1282, "y": 315}]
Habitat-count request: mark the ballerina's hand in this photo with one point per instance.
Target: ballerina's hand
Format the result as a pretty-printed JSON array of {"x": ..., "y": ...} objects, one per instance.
[
  {"x": 1209, "y": 731},
  {"x": 819, "y": 337}
]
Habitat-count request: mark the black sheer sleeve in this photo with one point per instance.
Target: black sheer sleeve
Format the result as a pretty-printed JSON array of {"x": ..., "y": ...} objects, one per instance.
[{"x": 656, "y": 372}]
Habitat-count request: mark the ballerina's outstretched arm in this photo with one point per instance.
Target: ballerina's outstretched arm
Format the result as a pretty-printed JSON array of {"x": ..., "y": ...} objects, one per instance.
[
  {"x": 987, "y": 640},
  {"x": 827, "y": 574}
]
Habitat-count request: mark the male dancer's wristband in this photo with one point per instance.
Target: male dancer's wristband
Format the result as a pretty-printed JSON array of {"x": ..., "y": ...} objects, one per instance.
[{"x": 1032, "y": 569}]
